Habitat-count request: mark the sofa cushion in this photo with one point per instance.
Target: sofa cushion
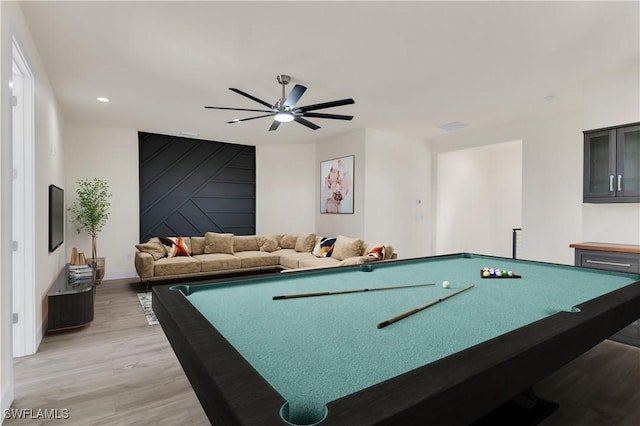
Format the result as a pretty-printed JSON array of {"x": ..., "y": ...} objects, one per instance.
[
  {"x": 290, "y": 258},
  {"x": 197, "y": 245},
  {"x": 346, "y": 247},
  {"x": 218, "y": 262},
  {"x": 315, "y": 262},
  {"x": 175, "y": 266},
  {"x": 154, "y": 247},
  {"x": 175, "y": 246},
  {"x": 254, "y": 259},
  {"x": 218, "y": 243},
  {"x": 245, "y": 243},
  {"x": 288, "y": 241},
  {"x": 305, "y": 243},
  {"x": 358, "y": 260},
  {"x": 268, "y": 243}
]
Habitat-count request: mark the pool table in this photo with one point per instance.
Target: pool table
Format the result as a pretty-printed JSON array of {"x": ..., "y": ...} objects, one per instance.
[{"x": 253, "y": 360}]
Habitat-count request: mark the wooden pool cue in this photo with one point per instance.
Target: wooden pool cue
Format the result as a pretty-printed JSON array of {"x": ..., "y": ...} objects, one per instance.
[
  {"x": 420, "y": 308},
  {"x": 331, "y": 293}
]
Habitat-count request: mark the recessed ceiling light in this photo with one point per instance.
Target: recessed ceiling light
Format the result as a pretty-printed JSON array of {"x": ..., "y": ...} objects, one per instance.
[
  {"x": 455, "y": 125},
  {"x": 102, "y": 99},
  {"x": 549, "y": 98}
]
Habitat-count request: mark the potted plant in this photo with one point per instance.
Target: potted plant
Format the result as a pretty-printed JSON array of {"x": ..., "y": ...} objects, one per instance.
[{"x": 90, "y": 213}]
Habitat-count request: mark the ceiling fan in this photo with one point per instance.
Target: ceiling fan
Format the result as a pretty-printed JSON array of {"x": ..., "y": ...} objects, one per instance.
[{"x": 285, "y": 110}]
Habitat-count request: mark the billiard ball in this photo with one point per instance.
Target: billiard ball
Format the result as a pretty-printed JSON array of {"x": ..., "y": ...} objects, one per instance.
[{"x": 446, "y": 284}]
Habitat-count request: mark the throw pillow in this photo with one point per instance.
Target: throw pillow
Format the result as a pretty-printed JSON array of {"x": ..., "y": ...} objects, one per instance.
[
  {"x": 175, "y": 246},
  {"x": 218, "y": 243},
  {"x": 245, "y": 243},
  {"x": 288, "y": 241},
  {"x": 154, "y": 247},
  {"x": 346, "y": 247},
  {"x": 324, "y": 247},
  {"x": 305, "y": 243},
  {"x": 376, "y": 253},
  {"x": 388, "y": 250},
  {"x": 197, "y": 245},
  {"x": 268, "y": 243}
]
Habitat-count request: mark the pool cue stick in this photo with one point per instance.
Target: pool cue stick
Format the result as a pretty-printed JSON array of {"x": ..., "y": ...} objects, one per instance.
[
  {"x": 331, "y": 293},
  {"x": 420, "y": 308}
]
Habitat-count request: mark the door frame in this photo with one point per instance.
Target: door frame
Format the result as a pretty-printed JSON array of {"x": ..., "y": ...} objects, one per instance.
[{"x": 25, "y": 331}]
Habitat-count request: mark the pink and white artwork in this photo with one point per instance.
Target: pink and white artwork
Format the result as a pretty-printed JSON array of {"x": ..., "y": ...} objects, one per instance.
[{"x": 336, "y": 185}]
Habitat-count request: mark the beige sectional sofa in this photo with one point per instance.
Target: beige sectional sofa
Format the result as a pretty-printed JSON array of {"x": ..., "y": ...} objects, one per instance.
[{"x": 216, "y": 253}]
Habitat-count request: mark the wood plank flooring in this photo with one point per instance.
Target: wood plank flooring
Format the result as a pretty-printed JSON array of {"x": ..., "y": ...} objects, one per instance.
[
  {"x": 121, "y": 371},
  {"x": 116, "y": 371}
]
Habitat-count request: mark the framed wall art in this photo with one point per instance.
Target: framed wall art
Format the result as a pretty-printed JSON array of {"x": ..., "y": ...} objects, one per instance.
[{"x": 336, "y": 185}]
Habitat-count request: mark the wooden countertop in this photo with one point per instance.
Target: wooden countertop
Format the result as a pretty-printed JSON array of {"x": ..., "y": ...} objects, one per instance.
[{"x": 623, "y": 248}]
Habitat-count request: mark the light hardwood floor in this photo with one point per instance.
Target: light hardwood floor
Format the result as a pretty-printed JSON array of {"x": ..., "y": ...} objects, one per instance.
[{"x": 121, "y": 371}]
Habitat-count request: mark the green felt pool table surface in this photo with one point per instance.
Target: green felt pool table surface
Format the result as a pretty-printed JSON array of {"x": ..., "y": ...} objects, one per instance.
[{"x": 315, "y": 350}]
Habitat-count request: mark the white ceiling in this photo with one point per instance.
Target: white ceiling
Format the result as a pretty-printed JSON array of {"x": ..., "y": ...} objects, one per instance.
[{"x": 410, "y": 66}]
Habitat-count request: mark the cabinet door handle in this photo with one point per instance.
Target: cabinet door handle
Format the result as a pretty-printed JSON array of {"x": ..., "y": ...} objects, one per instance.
[
  {"x": 601, "y": 262},
  {"x": 611, "y": 178},
  {"x": 619, "y": 182}
]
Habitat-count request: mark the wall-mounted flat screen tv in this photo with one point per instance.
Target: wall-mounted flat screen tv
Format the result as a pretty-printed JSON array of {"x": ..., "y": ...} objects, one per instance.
[{"x": 56, "y": 217}]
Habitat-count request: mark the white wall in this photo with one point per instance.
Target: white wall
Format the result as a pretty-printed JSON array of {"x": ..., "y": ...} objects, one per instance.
[
  {"x": 479, "y": 194},
  {"x": 553, "y": 215},
  {"x": 397, "y": 193},
  {"x": 110, "y": 154},
  {"x": 285, "y": 188},
  {"x": 609, "y": 101},
  {"x": 551, "y": 180},
  {"x": 48, "y": 170}
]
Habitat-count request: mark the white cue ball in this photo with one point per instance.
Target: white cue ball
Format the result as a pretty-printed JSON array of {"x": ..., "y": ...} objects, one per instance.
[{"x": 446, "y": 284}]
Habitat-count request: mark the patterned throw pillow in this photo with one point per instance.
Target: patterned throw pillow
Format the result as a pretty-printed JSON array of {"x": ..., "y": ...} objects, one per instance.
[
  {"x": 324, "y": 248},
  {"x": 376, "y": 253},
  {"x": 175, "y": 246}
]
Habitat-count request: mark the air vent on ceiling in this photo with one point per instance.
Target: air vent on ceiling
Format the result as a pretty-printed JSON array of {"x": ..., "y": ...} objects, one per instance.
[{"x": 455, "y": 125}]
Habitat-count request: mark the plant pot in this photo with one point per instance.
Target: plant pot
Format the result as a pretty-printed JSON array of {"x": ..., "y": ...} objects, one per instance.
[{"x": 98, "y": 266}]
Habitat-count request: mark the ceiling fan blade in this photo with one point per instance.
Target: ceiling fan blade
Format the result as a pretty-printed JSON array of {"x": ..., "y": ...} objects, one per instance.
[
  {"x": 333, "y": 116},
  {"x": 274, "y": 125},
  {"x": 306, "y": 123},
  {"x": 294, "y": 95},
  {"x": 325, "y": 105},
  {"x": 253, "y": 98},
  {"x": 240, "y": 120},
  {"x": 239, "y": 109}
]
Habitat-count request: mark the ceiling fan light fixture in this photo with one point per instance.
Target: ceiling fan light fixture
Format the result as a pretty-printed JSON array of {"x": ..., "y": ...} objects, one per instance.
[{"x": 283, "y": 117}]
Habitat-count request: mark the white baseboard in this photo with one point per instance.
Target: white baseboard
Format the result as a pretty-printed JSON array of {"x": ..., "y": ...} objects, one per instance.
[{"x": 118, "y": 275}]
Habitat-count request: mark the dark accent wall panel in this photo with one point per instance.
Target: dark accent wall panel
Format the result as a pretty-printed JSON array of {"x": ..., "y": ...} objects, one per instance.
[{"x": 191, "y": 186}]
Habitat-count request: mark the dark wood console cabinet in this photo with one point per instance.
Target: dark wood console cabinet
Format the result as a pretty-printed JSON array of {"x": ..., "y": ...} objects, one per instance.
[
  {"x": 612, "y": 257},
  {"x": 70, "y": 302}
]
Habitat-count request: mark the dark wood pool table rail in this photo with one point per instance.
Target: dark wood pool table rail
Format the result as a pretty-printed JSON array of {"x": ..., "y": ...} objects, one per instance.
[{"x": 480, "y": 378}]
